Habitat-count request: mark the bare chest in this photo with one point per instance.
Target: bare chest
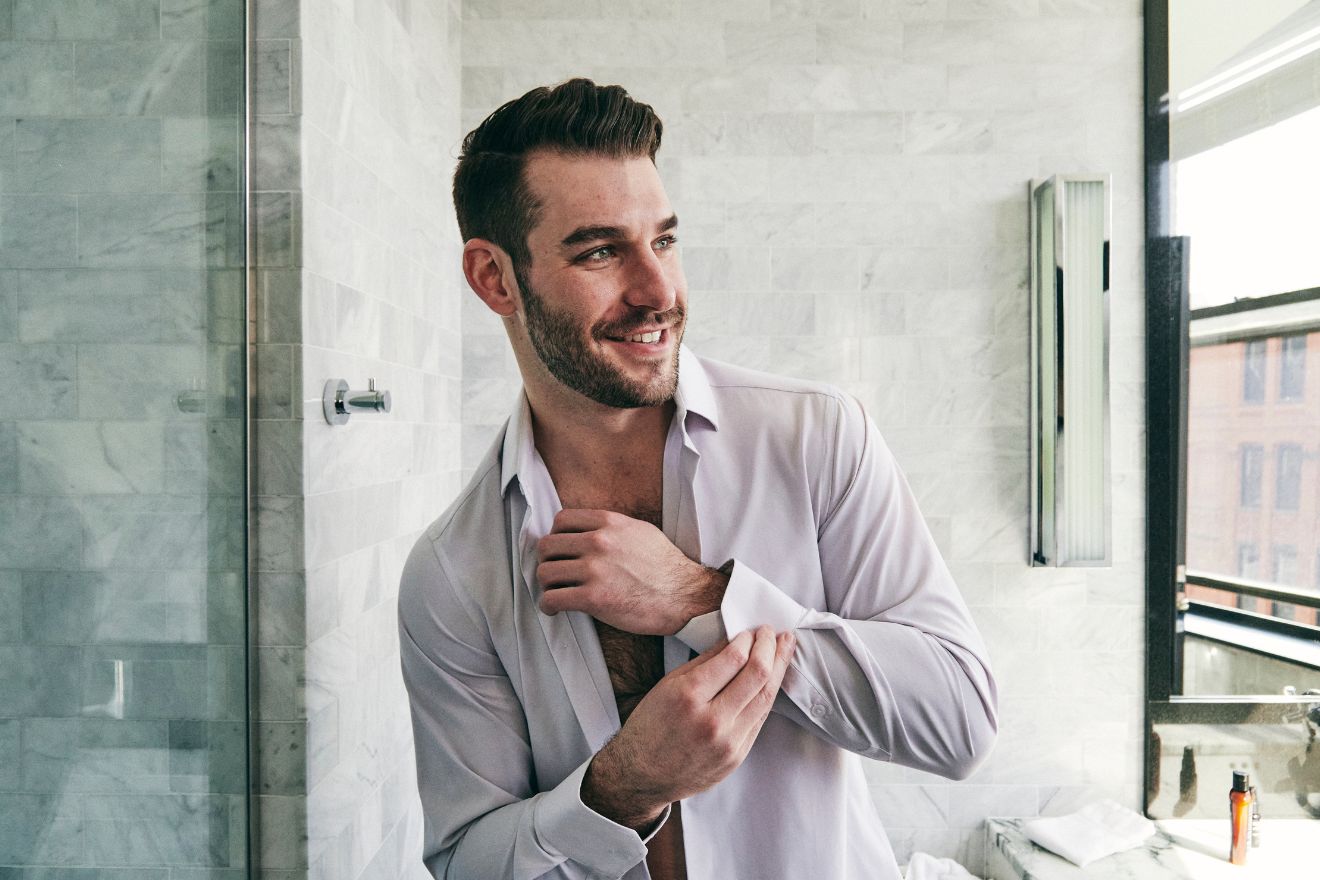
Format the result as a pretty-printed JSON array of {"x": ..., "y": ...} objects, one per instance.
[{"x": 635, "y": 662}]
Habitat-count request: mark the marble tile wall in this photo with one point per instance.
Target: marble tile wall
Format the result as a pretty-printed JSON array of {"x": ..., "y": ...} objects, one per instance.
[
  {"x": 851, "y": 176},
  {"x": 122, "y": 698},
  {"x": 367, "y": 103},
  {"x": 276, "y": 561}
]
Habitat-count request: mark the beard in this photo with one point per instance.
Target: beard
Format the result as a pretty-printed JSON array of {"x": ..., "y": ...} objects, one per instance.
[{"x": 563, "y": 345}]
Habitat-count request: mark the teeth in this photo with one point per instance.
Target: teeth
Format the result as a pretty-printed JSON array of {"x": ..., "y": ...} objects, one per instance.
[{"x": 654, "y": 336}]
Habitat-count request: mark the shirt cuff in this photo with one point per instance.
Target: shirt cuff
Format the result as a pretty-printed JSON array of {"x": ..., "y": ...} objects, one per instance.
[
  {"x": 569, "y": 828},
  {"x": 702, "y": 631},
  {"x": 751, "y": 601}
]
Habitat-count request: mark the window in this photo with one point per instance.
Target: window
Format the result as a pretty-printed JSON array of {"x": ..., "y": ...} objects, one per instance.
[
  {"x": 1288, "y": 477},
  {"x": 1285, "y": 565},
  {"x": 1248, "y": 563},
  {"x": 1283, "y": 610},
  {"x": 1253, "y": 372},
  {"x": 1252, "y": 460},
  {"x": 1285, "y": 573},
  {"x": 1292, "y": 372}
]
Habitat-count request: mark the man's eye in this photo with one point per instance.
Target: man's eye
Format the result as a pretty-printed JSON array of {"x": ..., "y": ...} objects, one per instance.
[
  {"x": 668, "y": 242},
  {"x": 598, "y": 255}
]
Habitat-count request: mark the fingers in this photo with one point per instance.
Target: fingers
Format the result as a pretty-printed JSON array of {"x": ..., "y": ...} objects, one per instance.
[
  {"x": 566, "y": 599},
  {"x": 562, "y": 573},
  {"x": 567, "y": 545},
  {"x": 580, "y": 519},
  {"x": 711, "y": 675},
  {"x": 754, "y": 675},
  {"x": 758, "y": 707}
]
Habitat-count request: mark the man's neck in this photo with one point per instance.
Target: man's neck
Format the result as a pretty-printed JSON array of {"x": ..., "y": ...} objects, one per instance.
[{"x": 612, "y": 443}]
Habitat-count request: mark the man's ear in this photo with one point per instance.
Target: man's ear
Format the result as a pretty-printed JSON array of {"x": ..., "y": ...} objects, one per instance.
[{"x": 489, "y": 273}]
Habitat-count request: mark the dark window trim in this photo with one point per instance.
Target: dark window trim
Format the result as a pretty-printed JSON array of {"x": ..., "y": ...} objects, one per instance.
[
  {"x": 1259, "y": 589},
  {"x": 1166, "y": 374},
  {"x": 1301, "y": 633}
]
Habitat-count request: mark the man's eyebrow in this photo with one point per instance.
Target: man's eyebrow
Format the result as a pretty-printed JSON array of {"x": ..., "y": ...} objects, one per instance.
[
  {"x": 584, "y": 234},
  {"x": 591, "y": 233}
]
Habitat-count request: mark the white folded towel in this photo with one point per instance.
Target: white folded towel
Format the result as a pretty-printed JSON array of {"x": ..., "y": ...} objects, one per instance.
[
  {"x": 1091, "y": 833},
  {"x": 926, "y": 867}
]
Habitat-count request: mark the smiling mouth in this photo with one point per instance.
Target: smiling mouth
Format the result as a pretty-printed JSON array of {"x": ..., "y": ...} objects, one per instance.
[{"x": 649, "y": 337}]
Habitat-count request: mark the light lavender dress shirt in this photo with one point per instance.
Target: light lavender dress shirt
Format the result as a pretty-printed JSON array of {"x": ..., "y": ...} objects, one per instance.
[{"x": 790, "y": 480}]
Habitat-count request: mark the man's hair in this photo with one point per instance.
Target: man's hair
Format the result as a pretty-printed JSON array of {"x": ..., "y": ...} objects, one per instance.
[{"x": 578, "y": 117}]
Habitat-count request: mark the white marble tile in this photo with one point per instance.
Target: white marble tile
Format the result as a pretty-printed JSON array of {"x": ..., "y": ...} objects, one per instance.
[
  {"x": 739, "y": 268},
  {"x": 774, "y": 41},
  {"x": 752, "y": 224},
  {"x": 865, "y": 224},
  {"x": 76, "y": 458},
  {"x": 781, "y": 314},
  {"x": 904, "y": 271},
  {"x": 866, "y": 314},
  {"x": 814, "y": 269},
  {"x": 865, "y": 133},
  {"x": 913, "y": 805}
]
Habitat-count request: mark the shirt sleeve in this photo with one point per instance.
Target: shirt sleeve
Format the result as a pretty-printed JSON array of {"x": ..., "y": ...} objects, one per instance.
[
  {"x": 483, "y": 814},
  {"x": 893, "y": 667}
]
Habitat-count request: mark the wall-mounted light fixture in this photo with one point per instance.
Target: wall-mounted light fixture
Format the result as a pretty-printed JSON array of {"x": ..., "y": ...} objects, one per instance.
[{"x": 1070, "y": 493}]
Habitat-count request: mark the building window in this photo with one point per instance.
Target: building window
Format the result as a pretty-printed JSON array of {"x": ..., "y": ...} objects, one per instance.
[
  {"x": 1253, "y": 372},
  {"x": 1252, "y": 457},
  {"x": 1292, "y": 368},
  {"x": 1288, "y": 477},
  {"x": 1248, "y": 565},
  {"x": 1285, "y": 573},
  {"x": 1285, "y": 565},
  {"x": 1283, "y": 610}
]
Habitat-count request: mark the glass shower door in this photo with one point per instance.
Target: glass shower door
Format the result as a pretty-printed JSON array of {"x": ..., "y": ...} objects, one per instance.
[{"x": 123, "y": 705}]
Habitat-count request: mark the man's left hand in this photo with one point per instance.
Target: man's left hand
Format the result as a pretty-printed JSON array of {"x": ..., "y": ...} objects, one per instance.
[{"x": 624, "y": 572}]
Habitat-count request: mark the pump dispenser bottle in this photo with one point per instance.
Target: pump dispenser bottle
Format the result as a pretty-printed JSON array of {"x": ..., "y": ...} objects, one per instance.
[{"x": 1239, "y": 811}]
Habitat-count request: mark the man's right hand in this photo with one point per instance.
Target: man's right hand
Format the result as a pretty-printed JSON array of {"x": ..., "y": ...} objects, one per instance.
[{"x": 693, "y": 729}]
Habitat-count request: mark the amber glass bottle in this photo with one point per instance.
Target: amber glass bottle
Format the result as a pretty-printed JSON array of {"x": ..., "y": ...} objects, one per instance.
[{"x": 1239, "y": 811}]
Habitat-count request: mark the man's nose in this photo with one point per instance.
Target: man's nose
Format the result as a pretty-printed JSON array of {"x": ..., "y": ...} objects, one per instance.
[{"x": 653, "y": 282}]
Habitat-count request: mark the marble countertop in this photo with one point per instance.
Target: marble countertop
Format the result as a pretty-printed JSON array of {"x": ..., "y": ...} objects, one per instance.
[{"x": 1182, "y": 849}]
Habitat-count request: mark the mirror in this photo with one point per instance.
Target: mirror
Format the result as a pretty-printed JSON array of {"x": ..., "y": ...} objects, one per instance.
[
  {"x": 1233, "y": 190},
  {"x": 1233, "y": 404}
]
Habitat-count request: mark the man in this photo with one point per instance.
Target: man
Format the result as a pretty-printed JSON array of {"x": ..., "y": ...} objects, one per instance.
[{"x": 643, "y": 505}]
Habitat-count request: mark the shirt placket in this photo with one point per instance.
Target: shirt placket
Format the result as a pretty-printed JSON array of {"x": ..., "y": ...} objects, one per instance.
[{"x": 588, "y": 688}]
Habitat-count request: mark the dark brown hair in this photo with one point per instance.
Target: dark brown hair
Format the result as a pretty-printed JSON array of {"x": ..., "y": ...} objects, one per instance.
[{"x": 578, "y": 117}]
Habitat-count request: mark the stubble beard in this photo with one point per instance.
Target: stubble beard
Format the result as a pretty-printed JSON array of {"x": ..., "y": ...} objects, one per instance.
[{"x": 561, "y": 344}]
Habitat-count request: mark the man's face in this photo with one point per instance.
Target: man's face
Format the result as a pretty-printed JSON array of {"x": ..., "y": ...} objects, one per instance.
[{"x": 604, "y": 299}]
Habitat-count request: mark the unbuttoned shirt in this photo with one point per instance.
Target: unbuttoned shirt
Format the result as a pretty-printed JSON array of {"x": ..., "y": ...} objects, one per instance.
[{"x": 792, "y": 482}]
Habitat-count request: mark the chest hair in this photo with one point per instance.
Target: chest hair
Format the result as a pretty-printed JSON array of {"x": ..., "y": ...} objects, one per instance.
[{"x": 635, "y": 662}]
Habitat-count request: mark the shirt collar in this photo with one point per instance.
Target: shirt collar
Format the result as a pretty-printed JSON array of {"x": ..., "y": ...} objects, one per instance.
[{"x": 520, "y": 459}]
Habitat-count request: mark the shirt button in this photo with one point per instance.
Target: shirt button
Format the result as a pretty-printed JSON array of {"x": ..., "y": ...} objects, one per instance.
[{"x": 820, "y": 710}]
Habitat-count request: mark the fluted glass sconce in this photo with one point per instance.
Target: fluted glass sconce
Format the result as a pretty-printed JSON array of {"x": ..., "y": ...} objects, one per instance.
[{"x": 1070, "y": 495}]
